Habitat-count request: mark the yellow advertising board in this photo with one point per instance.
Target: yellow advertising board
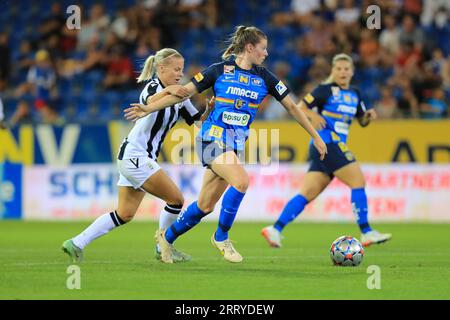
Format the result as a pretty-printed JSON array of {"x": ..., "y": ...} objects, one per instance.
[{"x": 381, "y": 142}]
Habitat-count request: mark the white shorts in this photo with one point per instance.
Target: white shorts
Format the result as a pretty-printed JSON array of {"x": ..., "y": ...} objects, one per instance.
[{"x": 134, "y": 172}]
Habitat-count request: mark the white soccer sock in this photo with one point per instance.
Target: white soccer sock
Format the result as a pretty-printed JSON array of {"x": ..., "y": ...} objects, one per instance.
[
  {"x": 168, "y": 215},
  {"x": 102, "y": 225}
]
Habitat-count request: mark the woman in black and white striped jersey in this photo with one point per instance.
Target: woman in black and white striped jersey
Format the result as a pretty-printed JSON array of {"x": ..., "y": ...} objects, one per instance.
[{"x": 137, "y": 158}]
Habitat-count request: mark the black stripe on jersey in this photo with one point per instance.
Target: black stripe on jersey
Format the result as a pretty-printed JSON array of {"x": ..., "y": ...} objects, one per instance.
[
  {"x": 190, "y": 119},
  {"x": 122, "y": 149},
  {"x": 156, "y": 127},
  {"x": 168, "y": 127}
]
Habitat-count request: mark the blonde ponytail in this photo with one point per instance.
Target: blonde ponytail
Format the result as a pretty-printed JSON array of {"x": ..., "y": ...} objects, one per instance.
[
  {"x": 148, "y": 71},
  {"x": 336, "y": 58},
  {"x": 161, "y": 57}
]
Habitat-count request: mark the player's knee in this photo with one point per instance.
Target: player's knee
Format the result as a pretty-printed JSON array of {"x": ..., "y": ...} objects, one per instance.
[
  {"x": 241, "y": 184},
  {"x": 177, "y": 200}
]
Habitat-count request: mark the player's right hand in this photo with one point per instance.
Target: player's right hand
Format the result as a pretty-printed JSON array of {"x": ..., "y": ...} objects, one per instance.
[
  {"x": 317, "y": 121},
  {"x": 135, "y": 112},
  {"x": 320, "y": 146}
]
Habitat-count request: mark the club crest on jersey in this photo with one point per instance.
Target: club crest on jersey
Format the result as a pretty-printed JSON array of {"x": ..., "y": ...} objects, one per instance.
[
  {"x": 336, "y": 91},
  {"x": 239, "y": 103},
  {"x": 256, "y": 82},
  {"x": 198, "y": 77},
  {"x": 347, "y": 98},
  {"x": 229, "y": 70},
  {"x": 244, "y": 79}
]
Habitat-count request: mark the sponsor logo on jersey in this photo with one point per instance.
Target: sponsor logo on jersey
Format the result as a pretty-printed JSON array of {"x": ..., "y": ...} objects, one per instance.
[
  {"x": 239, "y": 103},
  {"x": 346, "y": 109},
  {"x": 309, "y": 98},
  {"x": 244, "y": 79},
  {"x": 242, "y": 92},
  {"x": 216, "y": 131},
  {"x": 235, "y": 119},
  {"x": 198, "y": 77},
  {"x": 280, "y": 87},
  {"x": 256, "y": 82},
  {"x": 341, "y": 127},
  {"x": 336, "y": 91},
  {"x": 228, "y": 70}
]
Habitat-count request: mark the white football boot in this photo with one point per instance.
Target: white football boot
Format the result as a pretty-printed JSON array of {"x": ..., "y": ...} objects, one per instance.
[
  {"x": 374, "y": 237},
  {"x": 273, "y": 236},
  {"x": 227, "y": 250}
]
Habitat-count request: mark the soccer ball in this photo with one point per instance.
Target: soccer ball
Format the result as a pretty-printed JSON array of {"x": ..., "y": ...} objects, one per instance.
[{"x": 346, "y": 251}]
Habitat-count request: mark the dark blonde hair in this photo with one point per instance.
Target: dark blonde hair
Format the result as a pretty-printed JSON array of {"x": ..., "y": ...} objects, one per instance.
[
  {"x": 336, "y": 58},
  {"x": 161, "y": 57},
  {"x": 241, "y": 37}
]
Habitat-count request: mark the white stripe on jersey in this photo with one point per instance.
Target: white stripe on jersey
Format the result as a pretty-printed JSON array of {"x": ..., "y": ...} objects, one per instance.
[{"x": 148, "y": 133}]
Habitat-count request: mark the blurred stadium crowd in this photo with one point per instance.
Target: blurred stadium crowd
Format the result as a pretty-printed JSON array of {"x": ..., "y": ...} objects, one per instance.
[{"x": 50, "y": 74}]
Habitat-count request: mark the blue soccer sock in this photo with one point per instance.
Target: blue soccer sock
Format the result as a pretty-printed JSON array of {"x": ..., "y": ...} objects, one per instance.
[
  {"x": 185, "y": 222},
  {"x": 359, "y": 206},
  {"x": 230, "y": 205},
  {"x": 292, "y": 209}
]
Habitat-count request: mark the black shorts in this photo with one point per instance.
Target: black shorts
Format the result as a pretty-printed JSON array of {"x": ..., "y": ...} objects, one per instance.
[
  {"x": 207, "y": 151},
  {"x": 337, "y": 157}
]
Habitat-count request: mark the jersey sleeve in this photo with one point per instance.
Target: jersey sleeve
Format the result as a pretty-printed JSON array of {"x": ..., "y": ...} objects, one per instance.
[
  {"x": 275, "y": 86},
  {"x": 206, "y": 78},
  {"x": 361, "y": 107},
  {"x": 318, "y": 97},
  {"x": 189, "y": 113},
  {"x": 149, "y": 90}
]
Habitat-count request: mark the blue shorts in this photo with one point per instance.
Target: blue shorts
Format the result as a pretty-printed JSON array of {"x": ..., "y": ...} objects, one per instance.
[
  {"x": 207, "y": 151},
  {"x": 337, "y": 157}
]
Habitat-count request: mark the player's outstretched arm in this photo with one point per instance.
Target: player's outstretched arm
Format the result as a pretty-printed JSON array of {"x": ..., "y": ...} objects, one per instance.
[
  {"x": 139, "y": 110},
  {"x": 301, "y": 118},
  {"x": 368, "y": 116}
]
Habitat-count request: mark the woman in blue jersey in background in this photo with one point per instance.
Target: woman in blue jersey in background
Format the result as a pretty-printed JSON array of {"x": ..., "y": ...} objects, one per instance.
[
  {"x": 337, "y": 105},
  {"x": 240, "y": 84}
]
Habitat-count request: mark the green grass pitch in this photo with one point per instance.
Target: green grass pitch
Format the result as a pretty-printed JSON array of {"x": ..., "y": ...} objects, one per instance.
[{"x": 121, "y": 265}]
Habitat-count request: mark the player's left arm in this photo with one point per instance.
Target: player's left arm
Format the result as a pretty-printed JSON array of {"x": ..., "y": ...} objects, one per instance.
[
  {"x": 363, "y": 114},
  {"x": 303, "y": 120}
]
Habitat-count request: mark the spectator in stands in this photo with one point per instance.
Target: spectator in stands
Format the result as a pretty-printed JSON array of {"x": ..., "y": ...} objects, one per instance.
[
  {"x": 348, "y": 14},
  {"x": 434, "y": 107},
  {"x": 41, "y": 83},
  {"x": 5, "y": 63},
  {"x": 410, "y": 33},
  {"x": 368, "y": 46},
  {"x": 386, "y": 107},
  {"x": 390, "y": 36},
  {"x": 119, "y": 70},
  {"x": 435, "y": 12},
  {"x": 24, "y": 60},
  {"x": 53, "y": 23},
  {"x": 95, "y": 26},
  {"x": 301, "y": 13},
  {"x": 320, "y": 36}
]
